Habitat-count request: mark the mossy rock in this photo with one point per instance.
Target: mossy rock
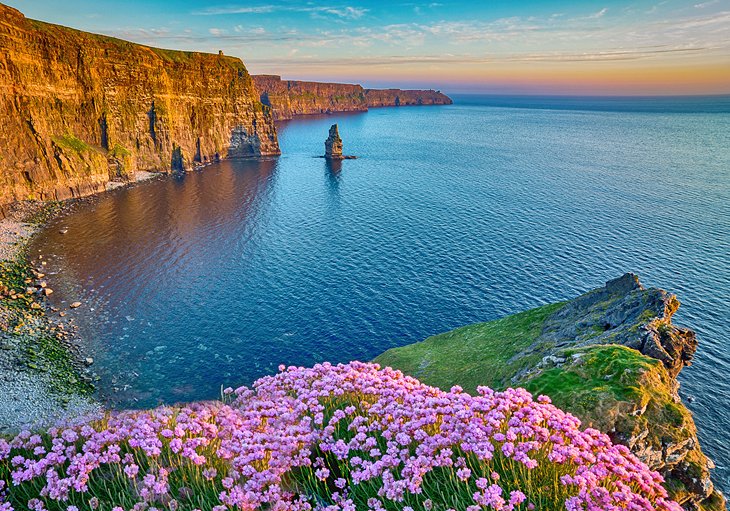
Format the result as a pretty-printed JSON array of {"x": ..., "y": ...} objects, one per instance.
[{"x": 72, "y": 142}]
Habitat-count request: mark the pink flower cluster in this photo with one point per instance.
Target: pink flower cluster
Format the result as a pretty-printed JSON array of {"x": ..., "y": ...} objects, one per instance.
[{"x": 335, "y": 438}]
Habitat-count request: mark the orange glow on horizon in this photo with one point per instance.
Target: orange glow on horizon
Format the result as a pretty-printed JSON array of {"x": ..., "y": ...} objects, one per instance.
[{"x": 589, "y": 78}]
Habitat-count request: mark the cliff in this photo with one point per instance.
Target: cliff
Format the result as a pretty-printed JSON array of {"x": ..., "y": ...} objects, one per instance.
[
  {"x": 289, "y": 98},
  {"x": 610, "y": 357},
  {"x": 399, "y": 97},
  {"x": 81, "y": 109}
]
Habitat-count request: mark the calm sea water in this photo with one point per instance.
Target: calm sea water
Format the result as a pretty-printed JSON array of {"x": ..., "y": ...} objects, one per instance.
[{"x": 451, "y": 215}]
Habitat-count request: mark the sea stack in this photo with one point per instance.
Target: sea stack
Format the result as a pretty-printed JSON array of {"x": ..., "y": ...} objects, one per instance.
[{"x": 333, "y": 144}]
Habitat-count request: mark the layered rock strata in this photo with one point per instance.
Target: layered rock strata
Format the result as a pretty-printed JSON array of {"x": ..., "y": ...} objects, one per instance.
[
  {"x": 333, "y": 144},
  {"x": 80, "y": 110},
  {"x": 401, "y": 97},
  {"x": 290, "y": 98}
]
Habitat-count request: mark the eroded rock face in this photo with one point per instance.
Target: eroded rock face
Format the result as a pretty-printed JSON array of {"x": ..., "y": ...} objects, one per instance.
[
  {"x": 651, "y": 419},
  {"x": 625, "y": 313},
  {"x": 400, "y": 97},
  {"x": 81, "y": 109},
  {"x": 289, "y": 98},
  {"x": 333, "y": 144}
]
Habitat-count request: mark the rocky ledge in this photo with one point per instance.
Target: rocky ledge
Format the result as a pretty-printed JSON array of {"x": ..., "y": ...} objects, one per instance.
[{"x": 610, "y": 356}]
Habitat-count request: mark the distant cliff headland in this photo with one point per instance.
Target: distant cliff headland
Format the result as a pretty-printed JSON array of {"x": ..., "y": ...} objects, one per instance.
[
  {"x": 290, "y": 98},
  {"x": 80, "y": 110}
]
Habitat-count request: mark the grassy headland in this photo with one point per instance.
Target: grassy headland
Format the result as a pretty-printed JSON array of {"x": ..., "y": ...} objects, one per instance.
[{"x": 569, "y": 351}]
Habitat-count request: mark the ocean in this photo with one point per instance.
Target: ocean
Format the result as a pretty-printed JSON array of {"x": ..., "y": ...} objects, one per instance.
[{"x": 450, "y": 215}]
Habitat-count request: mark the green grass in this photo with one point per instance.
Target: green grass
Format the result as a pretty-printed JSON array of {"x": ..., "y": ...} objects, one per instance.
[
  {"x": 602, "y": 369},
  {"x": 119, "y": 152},
  {"x": 474, "y": 355},
  {"x": 616, "y": 389},
  {"x": 70, "y": 141}
]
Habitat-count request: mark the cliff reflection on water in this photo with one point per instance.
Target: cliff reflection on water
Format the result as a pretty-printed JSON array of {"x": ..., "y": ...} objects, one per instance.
[
  {"x": 449, "y": 216},
  {"x": 145, "y": 261}
]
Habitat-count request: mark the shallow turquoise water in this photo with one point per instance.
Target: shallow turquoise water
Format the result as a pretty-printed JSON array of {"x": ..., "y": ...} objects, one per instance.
[{"x": 451, "y": 215}]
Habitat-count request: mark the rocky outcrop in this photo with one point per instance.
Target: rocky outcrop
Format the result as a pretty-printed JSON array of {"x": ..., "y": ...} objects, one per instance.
[
  {"x": 290, "y": 98},
  {"x": 333, "y": 147},
  {"x": 624, "y": 312},
  {"x": 638, "y": 401},
  {"x": 333, "y": 144},
  {"x": 81, "y": 109},
  {"x": 610, "y": 356}
]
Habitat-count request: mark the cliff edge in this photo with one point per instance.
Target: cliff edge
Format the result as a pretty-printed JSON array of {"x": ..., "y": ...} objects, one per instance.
[
  {"x": 82, "y": 109},
  {"x": 290, "y": 98},
  {"x": 611, "y": 357}
]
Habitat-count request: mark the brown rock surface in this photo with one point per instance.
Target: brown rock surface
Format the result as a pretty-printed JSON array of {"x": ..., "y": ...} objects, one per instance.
[
  {"x": 289, "y": 98},
  {"x": 333, "y": 144},
  {"x": 80, "y": 110},
  {"x": 400, "y": 97}
]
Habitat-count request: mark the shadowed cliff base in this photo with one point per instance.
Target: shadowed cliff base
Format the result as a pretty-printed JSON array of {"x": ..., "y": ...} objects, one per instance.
[
  {"x": 290, "y": 98},
  {"x": 610, "y": 356},
  {"x": 82, "y": 110}
]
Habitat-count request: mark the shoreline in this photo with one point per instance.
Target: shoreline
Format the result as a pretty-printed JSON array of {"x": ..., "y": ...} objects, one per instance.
[{"x": 44, "y": 377}]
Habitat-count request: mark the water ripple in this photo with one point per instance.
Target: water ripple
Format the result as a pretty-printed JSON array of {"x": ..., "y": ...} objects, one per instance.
[{"x": 450, "y": 216}]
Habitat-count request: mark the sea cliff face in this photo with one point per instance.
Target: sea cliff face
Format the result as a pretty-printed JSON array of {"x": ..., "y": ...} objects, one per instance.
[
  {"x": 611, "y": 357},
  {"x": 80, "y": 110},
  {"x": 289, "y": 98},
  {"x": 400, "y": 97}
]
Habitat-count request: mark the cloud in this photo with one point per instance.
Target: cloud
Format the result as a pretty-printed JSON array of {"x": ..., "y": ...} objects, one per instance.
[
  {"x": 344, "y": 12},
  {"x": 214, "y": 11},
  {"x": 707, "y": 4},
  {"x": 392, "y": 60},
  {"x": 599, "y": 14}
]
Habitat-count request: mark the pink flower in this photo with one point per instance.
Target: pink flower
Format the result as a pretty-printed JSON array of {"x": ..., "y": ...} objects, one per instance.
[{"x": 339, "y": 427}]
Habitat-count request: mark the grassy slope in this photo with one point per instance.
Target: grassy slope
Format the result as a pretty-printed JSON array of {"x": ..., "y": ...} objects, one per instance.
[
  {"x": 602, "y": 384},
  {"x": 610, "y": 387},
  {"x": 473, "y": 355}
]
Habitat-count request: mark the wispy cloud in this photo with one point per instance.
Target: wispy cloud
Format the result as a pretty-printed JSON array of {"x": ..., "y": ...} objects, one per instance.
[
  {"x": 391, "y": 60},
  {"x": 599, "y": 14},
  {"x": 707, "y": 4},
  {"x": 345, "y": 12}
]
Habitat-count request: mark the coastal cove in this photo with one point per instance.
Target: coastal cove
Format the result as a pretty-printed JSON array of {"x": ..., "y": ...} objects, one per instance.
[{"x": 216, "y": 277}]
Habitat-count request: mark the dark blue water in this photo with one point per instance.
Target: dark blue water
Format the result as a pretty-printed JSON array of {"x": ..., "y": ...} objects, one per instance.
[{"x": 451, "y": 215}]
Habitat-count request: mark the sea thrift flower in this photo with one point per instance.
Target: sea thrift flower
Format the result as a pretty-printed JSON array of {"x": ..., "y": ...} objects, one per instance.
[{"x": 327, "y": 437}]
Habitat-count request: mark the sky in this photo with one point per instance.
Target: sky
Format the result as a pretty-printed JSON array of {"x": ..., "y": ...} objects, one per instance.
[{"x": 631, "y": 47}]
